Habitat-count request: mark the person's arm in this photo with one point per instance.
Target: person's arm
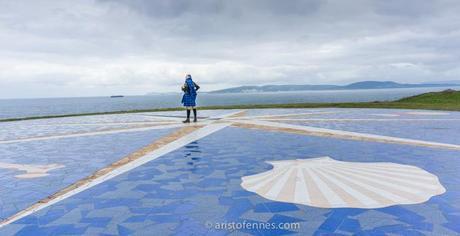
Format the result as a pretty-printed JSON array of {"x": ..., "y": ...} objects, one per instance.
[{"x": 196, "y": 86}]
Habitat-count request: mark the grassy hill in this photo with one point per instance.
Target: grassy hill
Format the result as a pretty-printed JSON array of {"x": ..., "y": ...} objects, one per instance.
[
  {"x": 445, "y": 100},
  {"x": 451, "y": 97}
]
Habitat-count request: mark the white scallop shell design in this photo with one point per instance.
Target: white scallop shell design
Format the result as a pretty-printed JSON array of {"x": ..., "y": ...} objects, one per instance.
[{"x": 328, "y": 183}]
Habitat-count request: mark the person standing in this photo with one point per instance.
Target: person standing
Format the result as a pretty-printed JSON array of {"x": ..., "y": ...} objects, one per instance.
[{"x": 189, "y": 98}]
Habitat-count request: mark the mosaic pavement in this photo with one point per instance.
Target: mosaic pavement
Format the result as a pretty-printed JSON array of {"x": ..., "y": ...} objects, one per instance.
[{"x": 254, "y": 172}]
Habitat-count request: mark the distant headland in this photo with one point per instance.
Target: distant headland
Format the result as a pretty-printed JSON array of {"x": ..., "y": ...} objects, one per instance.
[{"x": 357, "y": 85}]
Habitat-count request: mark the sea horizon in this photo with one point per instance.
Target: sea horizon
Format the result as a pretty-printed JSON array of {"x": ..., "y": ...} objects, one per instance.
[{"x": 28, "y": 107}]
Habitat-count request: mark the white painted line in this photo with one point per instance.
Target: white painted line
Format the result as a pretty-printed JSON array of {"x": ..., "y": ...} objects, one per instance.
[
  {"x": 226, "y": 116},
  {"x": 212, "y": 127},
  {"x": 385, "y": 115},
  {"x": 345, "y": 134},
  {"x": 90, "y": 134},
  {"x": 198, "y": 134},
  {"x": 427, "y": 113},
  {"x": 159, "y": 117},
  {"x": 107, "y": 123},
  {"x": 287, "y": 115},
  {"x": 345, "y": 119}
]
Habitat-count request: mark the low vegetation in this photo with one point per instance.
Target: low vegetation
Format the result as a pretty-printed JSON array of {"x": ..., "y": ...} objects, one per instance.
[{"x": 445, "y": 100}]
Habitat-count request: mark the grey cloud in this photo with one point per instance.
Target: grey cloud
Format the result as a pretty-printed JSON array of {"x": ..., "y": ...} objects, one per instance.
[
  {"x": 407, "y": 8},
  {"x": 127, "y": 43},
  {"x": 236, "y": 8}
]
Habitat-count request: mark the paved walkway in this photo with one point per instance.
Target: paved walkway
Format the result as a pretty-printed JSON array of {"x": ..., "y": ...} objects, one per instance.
[{"x": 255, "y": 172}]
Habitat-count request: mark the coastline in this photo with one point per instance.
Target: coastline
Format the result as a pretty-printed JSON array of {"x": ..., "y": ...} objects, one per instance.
[
  {"x": 445, "y": 100},
  {"x": 376, "y": 105}
]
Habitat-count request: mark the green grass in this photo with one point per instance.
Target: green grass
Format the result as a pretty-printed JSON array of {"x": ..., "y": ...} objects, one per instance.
[
  {"x": 445, "y": 100},
  {"x": 445, "y": 97}
]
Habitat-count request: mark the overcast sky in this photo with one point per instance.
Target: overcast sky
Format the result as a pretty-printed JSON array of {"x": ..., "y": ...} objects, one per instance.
[{"x": 52, "y": 48}]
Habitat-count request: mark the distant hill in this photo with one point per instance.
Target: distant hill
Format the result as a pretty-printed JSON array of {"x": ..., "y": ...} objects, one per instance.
[
  {"x": 275, "y": 88},
  {"x": 357, "y": 85},
  {"x": 445, "y": 82}
]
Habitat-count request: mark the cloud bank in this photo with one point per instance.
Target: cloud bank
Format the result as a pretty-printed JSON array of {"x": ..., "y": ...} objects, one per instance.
[{"x": 89, "y": 48}]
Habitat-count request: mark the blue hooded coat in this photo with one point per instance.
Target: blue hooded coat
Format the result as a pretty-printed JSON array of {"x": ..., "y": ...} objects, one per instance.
[{"x": 189, "y": 97}]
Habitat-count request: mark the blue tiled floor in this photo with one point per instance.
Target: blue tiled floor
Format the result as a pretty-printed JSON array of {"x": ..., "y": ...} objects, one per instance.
[
  {"x": 81, "y": 157},
  {"x": 200, "y": 183},
  {"x": 434, "y": 129},
  {"x": 444, "y": 132},
  {"x": 357, "y": 113},
  {"x": 69, "y": 125}
]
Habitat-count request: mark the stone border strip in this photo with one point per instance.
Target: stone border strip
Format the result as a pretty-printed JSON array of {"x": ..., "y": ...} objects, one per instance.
[
  {"x": 307, "y": 130},
  {"x": 91, "y": 133},
  {"x": 169, "y": 143}
]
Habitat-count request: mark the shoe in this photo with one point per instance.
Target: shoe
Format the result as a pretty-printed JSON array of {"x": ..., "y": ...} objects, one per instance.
[
  {"x": 195, "y": 120},
  {"x": 186, "y": 121}
]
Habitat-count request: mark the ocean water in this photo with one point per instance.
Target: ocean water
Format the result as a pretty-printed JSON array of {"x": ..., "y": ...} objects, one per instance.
[{"x": 15, "y": 108}]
